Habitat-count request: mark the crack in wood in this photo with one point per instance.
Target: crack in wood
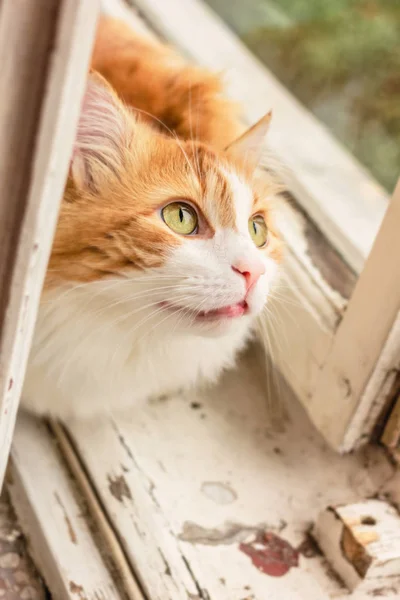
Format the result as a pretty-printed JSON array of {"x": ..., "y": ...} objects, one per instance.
[
  {"x": 71, "y": 532},
  {"x": 202, "y": 593}
]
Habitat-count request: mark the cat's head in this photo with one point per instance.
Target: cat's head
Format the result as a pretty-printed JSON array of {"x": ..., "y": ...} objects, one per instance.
[{"x": 174, "y": 232}]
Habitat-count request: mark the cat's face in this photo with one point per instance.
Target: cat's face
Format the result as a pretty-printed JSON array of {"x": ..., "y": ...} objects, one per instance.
[{"x": 172, "y": 233}]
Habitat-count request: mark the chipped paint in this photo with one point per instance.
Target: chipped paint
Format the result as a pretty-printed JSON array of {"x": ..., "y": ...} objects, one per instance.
[
  {"x": 71, "y": 532},
  {"x": 220, "y": 493},
  {"x": 119, "y": 488},
  {"x": 271, "y": 554},
  {"x": 228, "y": 533},
  {"x": 74, "y": 588}
]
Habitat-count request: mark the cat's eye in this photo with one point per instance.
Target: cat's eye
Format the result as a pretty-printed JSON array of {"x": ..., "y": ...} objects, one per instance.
[
  {"x": 180, "y": 217},
  {"x": 258, "y": 231}
]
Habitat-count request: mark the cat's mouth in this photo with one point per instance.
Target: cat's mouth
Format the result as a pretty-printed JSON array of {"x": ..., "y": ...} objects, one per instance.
[{"x": 225, "y": 312}]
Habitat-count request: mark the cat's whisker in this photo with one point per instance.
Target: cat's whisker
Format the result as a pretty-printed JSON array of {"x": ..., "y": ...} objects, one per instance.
[
  {"x": 171, "y": 312},
  {"x": 87, "y": 288},
  {"x": 145, "y": 320},
  {"x": 142, "y": 294},
  {"x": 84, "y": 287}
]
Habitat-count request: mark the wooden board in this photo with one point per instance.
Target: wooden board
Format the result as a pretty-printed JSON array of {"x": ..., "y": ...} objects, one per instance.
[
  {"x": 53, "y": 518},
  {"x": 187, "y": 480},
  {"x": 44, "y": 48},
  {"x": 367, "y": 343}
]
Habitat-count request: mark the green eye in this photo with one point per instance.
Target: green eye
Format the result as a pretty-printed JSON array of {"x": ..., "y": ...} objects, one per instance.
[
  {"x": 258, "y": 231},
  {"x": 180, "y": 217}
]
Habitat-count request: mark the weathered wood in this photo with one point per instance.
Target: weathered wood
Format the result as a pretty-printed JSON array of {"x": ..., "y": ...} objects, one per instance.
[
  {"x": 185, "y": 481},
  {"x": 362, "y": 543},
  {"x": 52, "y": 518},
  {"x": 326, "y": 180},
  {"x": 124, "y": 571},
  {"x": 359, "y": 344},
  {"x": 19, "y": 579},
  {"x": 391, "y": 433},
  {"x": 44, "y": 52}
]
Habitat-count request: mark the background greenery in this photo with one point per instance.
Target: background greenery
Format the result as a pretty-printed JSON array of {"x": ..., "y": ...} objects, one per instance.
[{"x": 341, "y": 58}]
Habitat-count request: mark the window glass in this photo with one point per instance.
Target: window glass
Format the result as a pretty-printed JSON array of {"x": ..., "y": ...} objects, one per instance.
[{"x": 341, "y": 58}]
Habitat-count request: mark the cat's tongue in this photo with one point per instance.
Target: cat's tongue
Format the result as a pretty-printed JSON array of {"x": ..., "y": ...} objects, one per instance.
[{"x": 234, "y": 310}]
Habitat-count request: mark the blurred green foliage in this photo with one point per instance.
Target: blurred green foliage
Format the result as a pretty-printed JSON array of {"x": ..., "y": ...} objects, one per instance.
[{"x": 341, "y": 58}]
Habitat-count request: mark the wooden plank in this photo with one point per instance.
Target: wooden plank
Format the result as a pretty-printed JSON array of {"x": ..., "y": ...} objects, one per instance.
[
  {"x": 378, "y": 393},
  {"x": 338, "y": 194},
  {"x": 115, "y": 553},
  {"x": 44, "y": 48},
  {"x": 361, "y": 337},
  {"x": 187, "y": 480},
  {"x": 53, "y": 518}
]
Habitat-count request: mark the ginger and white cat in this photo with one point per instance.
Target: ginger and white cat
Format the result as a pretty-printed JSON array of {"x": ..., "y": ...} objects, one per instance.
[{"x": 166, "y": 247}]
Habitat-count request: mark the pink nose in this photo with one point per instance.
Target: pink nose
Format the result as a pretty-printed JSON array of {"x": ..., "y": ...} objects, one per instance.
[{"x": 251, "y": 271}]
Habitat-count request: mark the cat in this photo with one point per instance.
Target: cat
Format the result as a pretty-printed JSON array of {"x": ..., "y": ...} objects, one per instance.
[{"x": 166, "y": 247}]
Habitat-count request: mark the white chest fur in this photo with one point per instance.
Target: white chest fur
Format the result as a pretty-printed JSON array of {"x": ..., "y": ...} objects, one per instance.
[{"x": 85, "y": 361}]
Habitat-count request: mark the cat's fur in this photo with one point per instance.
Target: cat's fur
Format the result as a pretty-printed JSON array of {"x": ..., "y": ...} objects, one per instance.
[{"x": 104, "y": 338}]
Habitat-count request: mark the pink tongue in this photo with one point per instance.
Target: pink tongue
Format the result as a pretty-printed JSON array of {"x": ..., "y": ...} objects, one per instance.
[{"x": 235, "y": 310}]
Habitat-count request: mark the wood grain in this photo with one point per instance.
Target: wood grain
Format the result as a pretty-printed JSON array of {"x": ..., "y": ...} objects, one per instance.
[{"x": 44, "y": 48}]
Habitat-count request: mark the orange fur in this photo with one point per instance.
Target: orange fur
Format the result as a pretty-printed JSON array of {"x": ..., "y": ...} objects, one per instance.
[
  {"x": 111, "y": 221},
  {"x": 152, "y": 77}
]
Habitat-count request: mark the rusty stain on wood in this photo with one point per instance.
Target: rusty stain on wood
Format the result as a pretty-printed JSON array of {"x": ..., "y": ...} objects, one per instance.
[
  {"x": 78, "y": 590},
  {"x": 355, "y": 552}
]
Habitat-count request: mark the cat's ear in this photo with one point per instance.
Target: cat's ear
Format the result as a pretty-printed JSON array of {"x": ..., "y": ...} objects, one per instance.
[
  {"x": 249, "y": 146},
  {"x": 101, "y": 134}
]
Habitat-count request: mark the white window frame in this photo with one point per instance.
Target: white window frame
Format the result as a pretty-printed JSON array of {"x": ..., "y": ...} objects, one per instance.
[{"x": 41, "y": 86}]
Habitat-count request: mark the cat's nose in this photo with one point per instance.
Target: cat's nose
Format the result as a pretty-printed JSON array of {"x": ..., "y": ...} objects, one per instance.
[{"x": 251, "y": 271}]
